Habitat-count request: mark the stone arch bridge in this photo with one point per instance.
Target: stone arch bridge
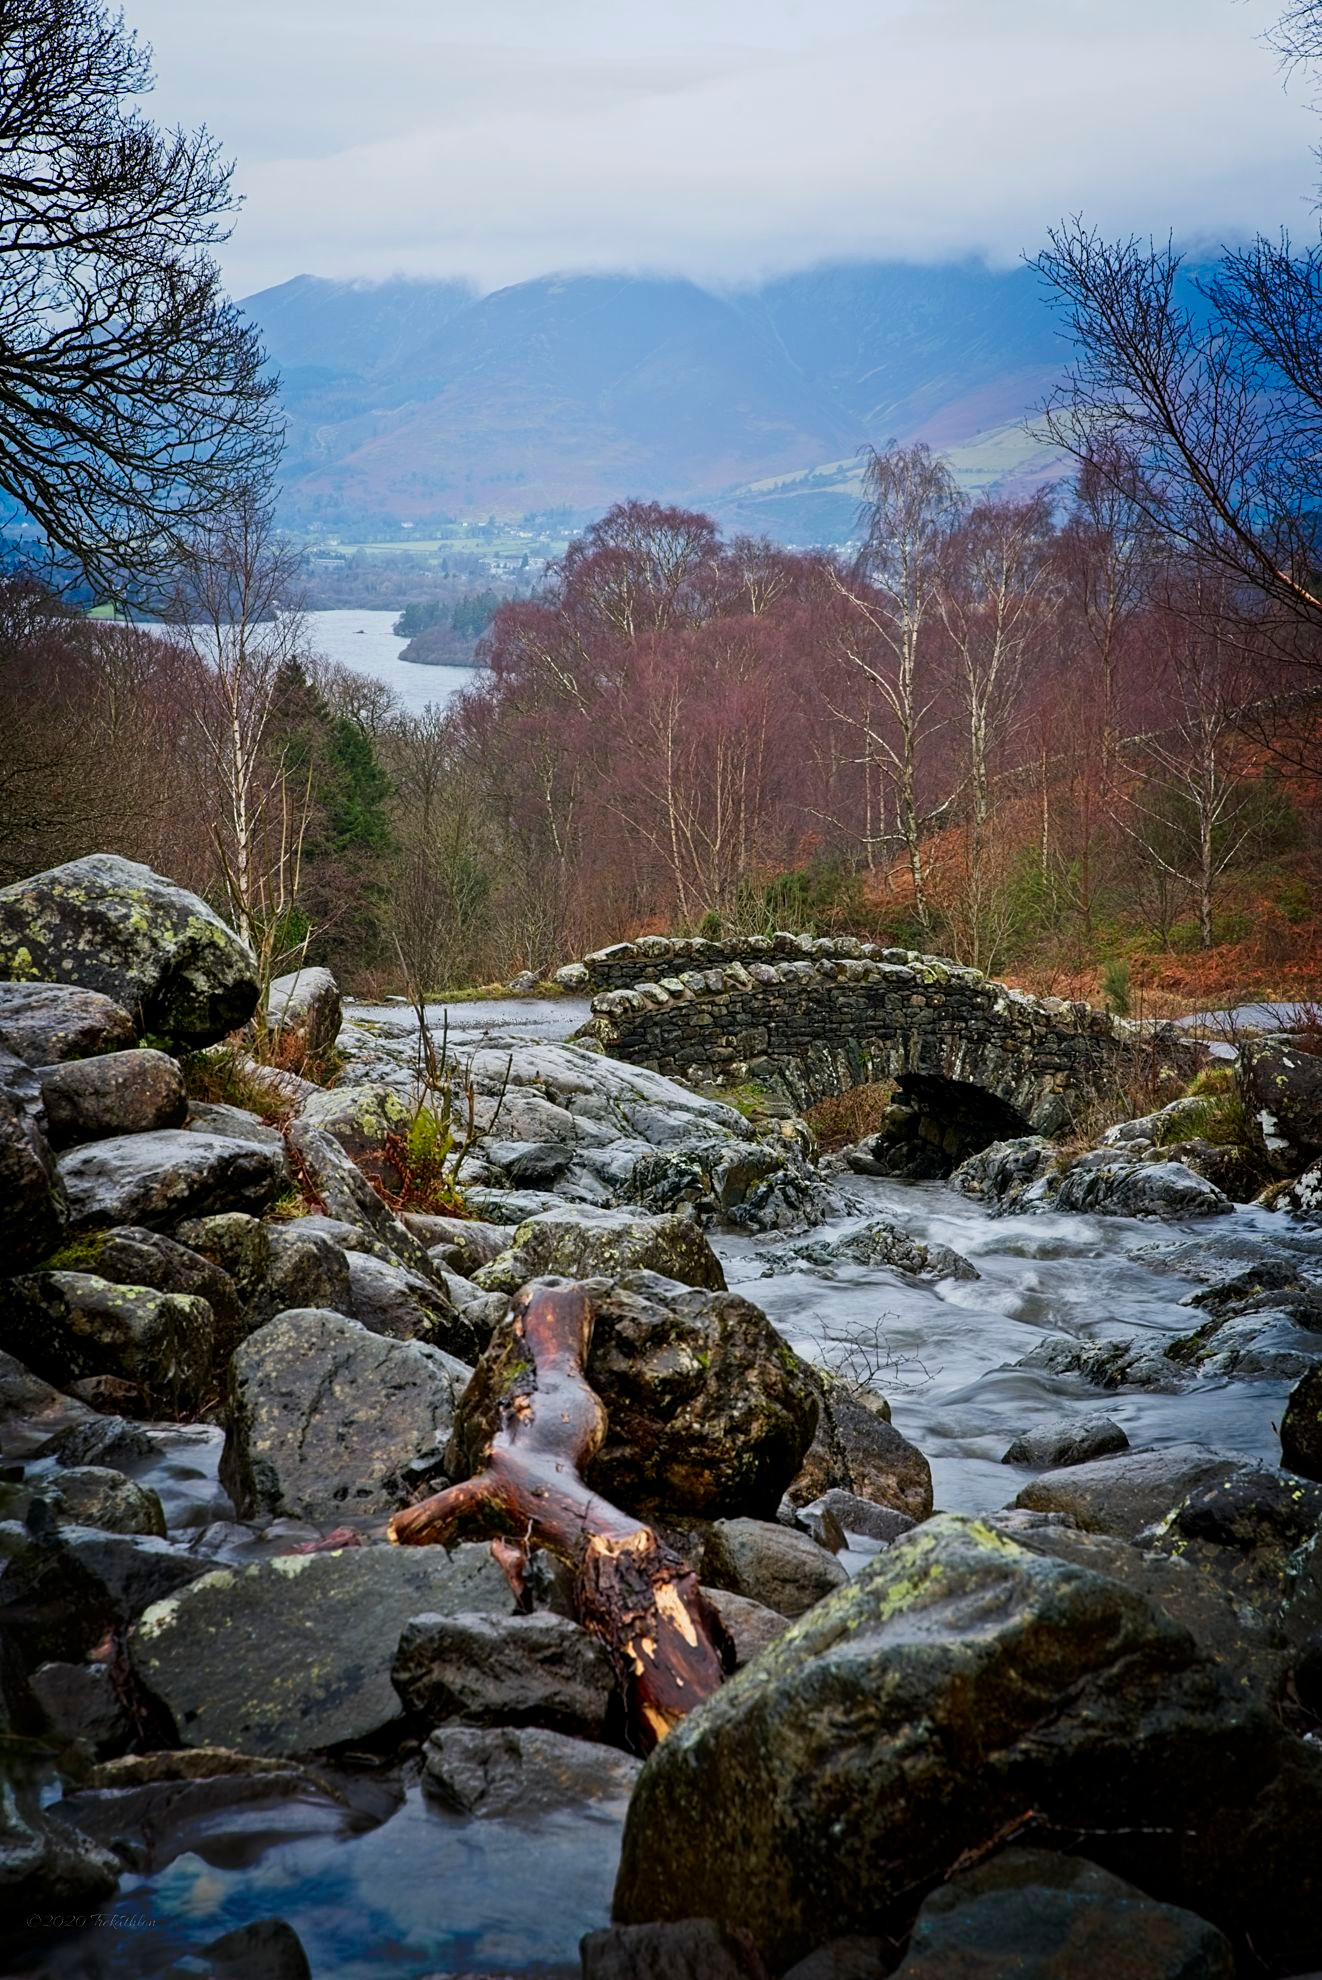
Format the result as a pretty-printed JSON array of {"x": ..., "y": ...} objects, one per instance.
[{"x": 972, "y": 1060}]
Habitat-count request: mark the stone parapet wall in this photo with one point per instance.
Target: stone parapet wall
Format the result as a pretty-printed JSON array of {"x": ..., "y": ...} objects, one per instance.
[
  {"x": 654, "y": 956},
  {"x": 827, "y": 1016}
]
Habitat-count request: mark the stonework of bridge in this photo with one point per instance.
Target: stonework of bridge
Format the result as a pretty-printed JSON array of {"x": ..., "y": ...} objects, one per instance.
[{"x": 971, "y": 1059}]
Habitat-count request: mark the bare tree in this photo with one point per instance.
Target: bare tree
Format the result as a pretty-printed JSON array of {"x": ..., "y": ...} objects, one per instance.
[
  {"x": 133, "y": 401},
  {"x": 238, "y": 613},
  {"x": 910, "y": 507}
]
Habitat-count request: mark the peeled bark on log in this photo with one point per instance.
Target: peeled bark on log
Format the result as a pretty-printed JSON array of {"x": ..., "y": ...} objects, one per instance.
[{"x": 631, "y": 1591}]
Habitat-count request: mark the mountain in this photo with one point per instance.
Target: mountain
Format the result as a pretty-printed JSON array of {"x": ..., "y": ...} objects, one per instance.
[{"x": 422, "y": 401}]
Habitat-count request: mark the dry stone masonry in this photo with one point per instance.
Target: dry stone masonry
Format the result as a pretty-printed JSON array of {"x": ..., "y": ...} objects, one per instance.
[{"x": 815, "y": 1017}]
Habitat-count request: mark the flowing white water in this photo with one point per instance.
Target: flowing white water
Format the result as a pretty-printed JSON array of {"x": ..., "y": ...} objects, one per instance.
[{"x": 426, "y": 1893}]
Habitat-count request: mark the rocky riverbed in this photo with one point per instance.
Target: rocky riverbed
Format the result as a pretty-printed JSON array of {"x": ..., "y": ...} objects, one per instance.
[{"x": 983, "y": 1476}]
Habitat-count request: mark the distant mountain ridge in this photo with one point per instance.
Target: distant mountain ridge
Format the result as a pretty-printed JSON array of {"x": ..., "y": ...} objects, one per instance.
[{"x": 421, "y": 400}]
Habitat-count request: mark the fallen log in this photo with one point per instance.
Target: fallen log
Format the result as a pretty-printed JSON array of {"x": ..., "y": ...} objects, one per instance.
[{"x": 631, "y": 1590}]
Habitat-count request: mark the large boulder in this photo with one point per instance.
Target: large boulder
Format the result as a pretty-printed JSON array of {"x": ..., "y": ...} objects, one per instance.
[
  {"x": 304, "y": 1008},
  {"x": 349, "y": 1197},
  {"x": 709, "y": 1411},
  {"x": 904, "y": 1726},
  {"x": 115, "y": 1093},
  {"x": 1280, "y": 1086},
  {"x": 111, "y": 925},
  {"x": 389, "y": 1299},
  {"x": 324, "y": 1418},
  {"x": 576, "y": 1242},
  {"x": 1129, "y": 1491},
  {"x": 294, "y": 1654},
  {"x": 70, "y": 1326},
  {"x": 160, "y": 1179},
  {"x": 132, "y": 1256},
  {"x": 47, "y": 1023},
  {"x": 1105, "y": 1186},
  {"x": 62, "y": 1587},
  {"x": 32, "y": 1201}
]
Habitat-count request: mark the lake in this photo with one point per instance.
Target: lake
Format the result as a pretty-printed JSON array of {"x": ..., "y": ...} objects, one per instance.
[{"x": 363, "y": 641}]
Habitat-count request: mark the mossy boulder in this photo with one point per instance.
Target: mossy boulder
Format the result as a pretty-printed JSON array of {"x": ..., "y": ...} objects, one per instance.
[
  {"x": 961, "y": 1687},
  {"x": 577, "y": 1242},
  {"x": 158, "y": 1180},
  {"x": 114, "y": 1093},
  {"x": 1281, "y": 1089},
  {"x": 110, "y": 925},
  {"x": 69, "y": 1326},
  {"x": 47, "y": 1023},
  {"x": 710, "y": 1412},
  {"x": 33, "y": 1209}
]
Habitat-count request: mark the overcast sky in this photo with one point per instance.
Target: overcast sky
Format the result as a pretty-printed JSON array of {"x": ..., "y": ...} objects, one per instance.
[{"x": 725, "y": 138}]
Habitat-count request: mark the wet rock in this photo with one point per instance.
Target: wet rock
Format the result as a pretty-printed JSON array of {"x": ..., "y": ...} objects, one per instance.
[
  {"x": 1156, "y": 1128},
  {"x": 750, "y": 1625},
  {"x": 581, "y": 1243},
  {"x": 1280, "y": 1087},
  {"x": 1143, "y": 1363},
  {"x": 1044, "y": 1917},
  {"x": 82, "y": 1707},
  {"x": 324, "y": 1418},
  {"x": 305, "y": 1007},
  {"x": 886, "y": 1244},
  {"x": 1036, "y": 1685},
  {"x": 857, "y": 1449},
  {"x": 521, "y": 1771},
  {"x": 44, "y": 1866},
  {"x": 236, "y": 1123},
  {"x": 267, "y": 1949},
  {"x": 131, "y": 1256},
  {"x": 1074, "y": 1443},
  {"x": 784, "y": 1570},
  {"x": 152, "y": 1808},
  {"x": 103, "y": 1440},
  {"x": 33, "y": 1412},
  {"x": 857, "y": 1957},
  {"x": 117, "y": 1093},
  {"x": 110, "y": 925},
  {"x": 1269, "y": 1284},
  {"x": 506, "y": 1207},
  {"x": 302, "y": 1268},
  {"x": 502, "y": 1670},
  {"x": 687, "y": 1949},
  {"x": 294, "y": 1654},
  {"x": 709, "y": 1411},
  {"x": 71, "y": 1325},
  {"x": 347, "y": 1194},
  {"x": 1301, "y": 1427},
  {"x": 393, "y": 1301},
  {"x": 1109, "y": 1188},
  {"x": 236, "y": 1242},
  {"x": 862, "y": 1516},
  {"x": 1303, "y": 1197},
  {"x": 46, "y": 1023},
  {"x": 160, "y": 1179},
  {"x": 528, "y": 1164},
  {"x": 1001, "y": 1174},
  {"x": 461, "y": 1244},
  {"x": 33, "y": 1210},
  {"x": 1133, "y": 1490},
  {"x": 1261, "y": 1343},
  {"x": 365, "y": 1120},
  {"x": 749, "y": 1185},
  {"x": 62, "y": 1588},
  {"x": 95, "y": 1495}
]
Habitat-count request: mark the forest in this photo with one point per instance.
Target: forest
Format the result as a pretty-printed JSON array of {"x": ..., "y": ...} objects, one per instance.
[{"x": 1026, "y": 733}]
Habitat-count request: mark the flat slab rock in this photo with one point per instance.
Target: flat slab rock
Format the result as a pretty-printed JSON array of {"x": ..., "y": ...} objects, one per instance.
[
  {"x": 489, "y": 1670},
  {"x": 1132, "y": 1490},
  {"x": 519, "y": 1771},
  {"x": 158, "y": 1180},
  {"x": 294, "y": 1654},
  {"x": 324, "y": 1418}
]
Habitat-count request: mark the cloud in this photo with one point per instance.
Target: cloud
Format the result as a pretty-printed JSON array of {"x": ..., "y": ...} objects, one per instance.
[{"x": 727, "y": 140}]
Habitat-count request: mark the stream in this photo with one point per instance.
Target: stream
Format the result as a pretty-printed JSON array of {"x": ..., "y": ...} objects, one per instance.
[{"x": 423, "y": 1893}]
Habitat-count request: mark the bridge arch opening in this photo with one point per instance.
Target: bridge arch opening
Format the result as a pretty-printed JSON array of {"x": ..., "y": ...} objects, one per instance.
[{"x": 934, "y": 1123}]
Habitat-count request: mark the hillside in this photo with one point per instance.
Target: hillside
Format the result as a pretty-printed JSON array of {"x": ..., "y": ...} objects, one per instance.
[{"x": 417, "y": 401}]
